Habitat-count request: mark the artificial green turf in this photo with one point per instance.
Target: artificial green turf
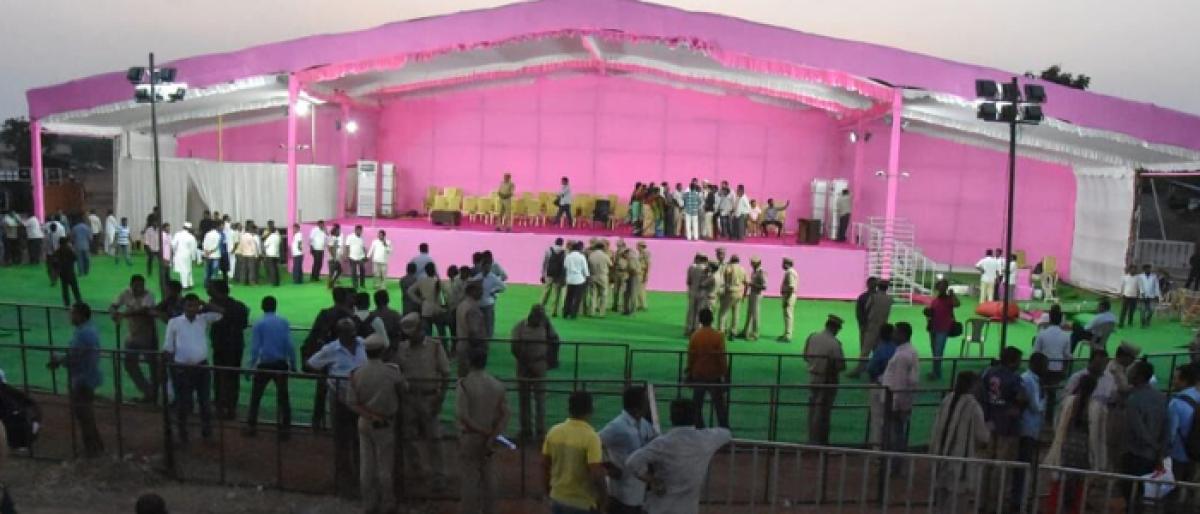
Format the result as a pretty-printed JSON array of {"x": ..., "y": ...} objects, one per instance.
[{"x": 655, "y": 338}]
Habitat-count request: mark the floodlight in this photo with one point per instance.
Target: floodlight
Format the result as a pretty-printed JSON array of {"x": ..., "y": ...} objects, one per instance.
[
  {"x": 135, "y": 74},
  {"x": 1032, "y": 113},
  {"x": 1008, "y": 112},
  {"x": 853, "y": 136},
  {"x": 302, "y": 107},
  {"x": 987, "y": 111},
  {"x": 351, "y": 126},
  {"x": 1035, "y": 93},
  {"x": 165, "y": 75},
  {"x": 987, "y": 89}
]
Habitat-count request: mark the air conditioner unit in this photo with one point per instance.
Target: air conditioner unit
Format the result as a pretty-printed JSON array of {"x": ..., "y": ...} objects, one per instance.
[
  {"x": 367, "y": 174},
  {"x": 387, "y": 187}
]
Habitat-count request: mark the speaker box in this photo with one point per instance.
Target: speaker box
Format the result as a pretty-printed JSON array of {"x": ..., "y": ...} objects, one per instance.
[{"x": 452, "y": 218}]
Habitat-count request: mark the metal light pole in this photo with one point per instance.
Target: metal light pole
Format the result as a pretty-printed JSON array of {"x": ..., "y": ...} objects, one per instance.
[
  {"x": 1008, "y": 229},
  {"x": 158, "y": 219},
  {"x": 1004, "y": 103}
]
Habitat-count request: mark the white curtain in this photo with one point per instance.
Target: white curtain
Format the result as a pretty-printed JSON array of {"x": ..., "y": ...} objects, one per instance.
[
  {"x": 244, "y": 191},
  {"x": 1103, "y": 211}
]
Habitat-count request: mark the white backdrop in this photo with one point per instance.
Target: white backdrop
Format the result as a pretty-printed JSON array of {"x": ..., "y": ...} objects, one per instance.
[
  {"x": 255, "y": 191},
  {"x": 1103, "y": 211}
]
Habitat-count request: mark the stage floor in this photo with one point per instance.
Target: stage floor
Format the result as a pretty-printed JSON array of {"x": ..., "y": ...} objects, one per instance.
[{"x": 829, "y": 270}]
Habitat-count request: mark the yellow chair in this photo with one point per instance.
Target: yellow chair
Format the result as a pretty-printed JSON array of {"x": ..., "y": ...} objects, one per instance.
[
  {"x": 584, "y": 209},
  {"x": 430, "y": 195},
  {"x": 493, "y": 212},
  {"x": 484, "y": 207},
  {"x": 470, "y": 207}
]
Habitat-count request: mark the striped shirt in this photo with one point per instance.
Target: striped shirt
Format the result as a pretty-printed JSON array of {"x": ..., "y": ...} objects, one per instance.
[{"x": 123, "y": 236}]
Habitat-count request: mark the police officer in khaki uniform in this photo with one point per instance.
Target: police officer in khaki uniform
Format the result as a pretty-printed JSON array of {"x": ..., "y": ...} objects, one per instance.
[
  {"x": 634, "y": 285},
  {"x": 532, "y": 338},
  {"x": 620, "y": 274},
  {"x": 374, "y": 394},
  {"x": 823, "y": 353},
  {"x": 734, "y": 279},
  {"x": 697, "y": 275},
  {"x": 787, "y": 293},
  {"x": 599, "y": 263},
  {"x": 482, "y": 413},
  {"x": 471, "y": 325},
  {"x": 755, "y": 289},
  {"x": 644, "y": 274},
  {"x": 423, "y": 362},
  {"x": 505, "y": 193}
]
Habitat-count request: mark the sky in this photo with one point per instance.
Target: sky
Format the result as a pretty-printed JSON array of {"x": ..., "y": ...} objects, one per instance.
[{"x": 1138, "y": 50}]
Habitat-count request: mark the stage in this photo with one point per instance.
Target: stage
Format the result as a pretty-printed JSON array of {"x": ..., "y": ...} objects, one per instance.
[{"x": 827, "y": 271}]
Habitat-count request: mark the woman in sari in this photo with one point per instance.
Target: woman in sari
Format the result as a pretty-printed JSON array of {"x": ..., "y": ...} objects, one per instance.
[
  {"x": 635, "y": 208},
  {"x": 1073, "y": 447},
  {"x": 959, "y": 429}
]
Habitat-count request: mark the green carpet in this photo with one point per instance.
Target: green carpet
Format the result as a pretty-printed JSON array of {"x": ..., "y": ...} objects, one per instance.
[{"x": 654, "y": 337}]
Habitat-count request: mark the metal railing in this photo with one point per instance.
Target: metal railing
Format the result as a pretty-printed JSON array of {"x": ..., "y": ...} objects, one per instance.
[{"x": 1161, "y": 253}]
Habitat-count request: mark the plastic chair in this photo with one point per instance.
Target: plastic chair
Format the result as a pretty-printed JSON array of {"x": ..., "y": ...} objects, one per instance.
[
  {"x": 493, "y": 208},
  {"x": 974, "y": 333},
  {"x": 470, "y": 206},
  {"x": 619, "y": 213}
]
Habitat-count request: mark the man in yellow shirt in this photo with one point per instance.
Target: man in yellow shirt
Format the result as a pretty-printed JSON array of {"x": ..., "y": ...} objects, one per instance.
[{"x": 572, "y": 461}]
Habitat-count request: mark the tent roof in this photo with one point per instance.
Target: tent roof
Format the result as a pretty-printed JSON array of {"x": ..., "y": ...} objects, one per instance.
[{"x": 708, "y": 52}]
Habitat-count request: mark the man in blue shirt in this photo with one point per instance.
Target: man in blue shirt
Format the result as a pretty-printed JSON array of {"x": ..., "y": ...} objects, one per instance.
[
  {"x": 492, "y": 286},
  {"x": 626, "y": 434},
  {"x": 880, "y": 356},
  {"x": 1034, "y": 413},
  {"x": 83, "y": 371},
  {"x": 81, "y": 238},
  {"x": 1181, "y": 413},
  {"x": 341, "y": 357},
  {"x": 272, "y": 353}
]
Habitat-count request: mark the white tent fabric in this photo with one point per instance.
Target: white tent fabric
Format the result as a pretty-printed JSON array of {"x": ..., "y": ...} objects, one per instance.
[
  {"x": 1103, "y": 213},
  {"x": 254, "y": 191}
]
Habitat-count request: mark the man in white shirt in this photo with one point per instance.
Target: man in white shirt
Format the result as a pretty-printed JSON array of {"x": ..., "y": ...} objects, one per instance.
[
  {"x": 356, "y": 253},
  {"x": 248, "y": 251},
  {"x": 1148, "y": 293},
  {"x": 12, "y": 233},
  {"x": 989, "y": 268},
  {"x": 316, "y": 247},
  {"x": 94, "y": 223},
  {"x": 741, "y": 210},
  {"x": 576, "y": 267},
  {"x": 627, "y": 433},
  {"x": 186, "y": 346},
  {"x": 1010, "y": 277},
  {"x": 210, "y": 247},
  {"x": 379, "y": 253},
  {"x": 184, "y": 254},
  {"x": 271, "y": 255},
  {"x": 110, "y": 232},
  {"x": 232, "y": 233},
  {"x": 842, "y": 206},
  {"x": 1055, "y": 344},
  {"x": 297, "y": 254},
  {"x": 725, "y": 211},
  {"x": 33, "y": 238},
  {"x": 675, "y": 464},
  {"x": 1129, "y": 296}
]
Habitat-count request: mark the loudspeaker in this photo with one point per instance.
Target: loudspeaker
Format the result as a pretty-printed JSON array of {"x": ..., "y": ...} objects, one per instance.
[
  {"x": 452, "y": 218},
  {"x": 808, "y": 232}
]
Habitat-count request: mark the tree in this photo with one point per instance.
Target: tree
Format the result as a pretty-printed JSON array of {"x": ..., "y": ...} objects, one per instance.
[
  {"x": 1056, "y": 75},
  {"x": 15, "y": 137}
]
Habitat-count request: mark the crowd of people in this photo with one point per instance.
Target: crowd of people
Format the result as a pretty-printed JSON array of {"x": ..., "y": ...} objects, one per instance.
[{"x": 702, "y": 210}]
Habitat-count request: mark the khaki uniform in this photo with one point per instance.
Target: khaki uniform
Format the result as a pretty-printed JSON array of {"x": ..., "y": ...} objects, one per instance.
[
  {"x": 480, "y": 402},
  {"x": 376, "y": 388},
  {"x": 644, "y": 275},
  {"x": 714, "y": 294},
  {"x": 505, "y": 192},
  {"x": 823, "y": 353},
  {"x": 598, "y": 264},
  {"x": 634, "y": 286},
  {"x": 696, "y": 276},
  {"x": 531, "y": 348},
  {"x": 734, "y": 281},
  {"x": 879, "y": 308},
  {"x": 787, "y": 291},
  {"x": 620, "y": 278},
  {"x": 470, "y": 325},
  {"x": 427, "y": 369},
  {"x": 758, "y": 284}
]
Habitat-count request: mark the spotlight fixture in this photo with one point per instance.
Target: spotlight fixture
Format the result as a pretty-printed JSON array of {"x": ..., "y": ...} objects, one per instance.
[
  {"x": 351, "y": 127},
  {"x": 165, "y": 74},
  {"x": 135, "y": 75},
  {"x": 853, "y": 136},
  {"x": 302, "y": 107},
  {"x": 1035, "y": 93}
]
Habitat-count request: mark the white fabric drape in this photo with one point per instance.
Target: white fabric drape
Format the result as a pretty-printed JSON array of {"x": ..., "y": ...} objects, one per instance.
[
  {"x": 1103, "y": 210},
  {"x": 254, "y": 191}
]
